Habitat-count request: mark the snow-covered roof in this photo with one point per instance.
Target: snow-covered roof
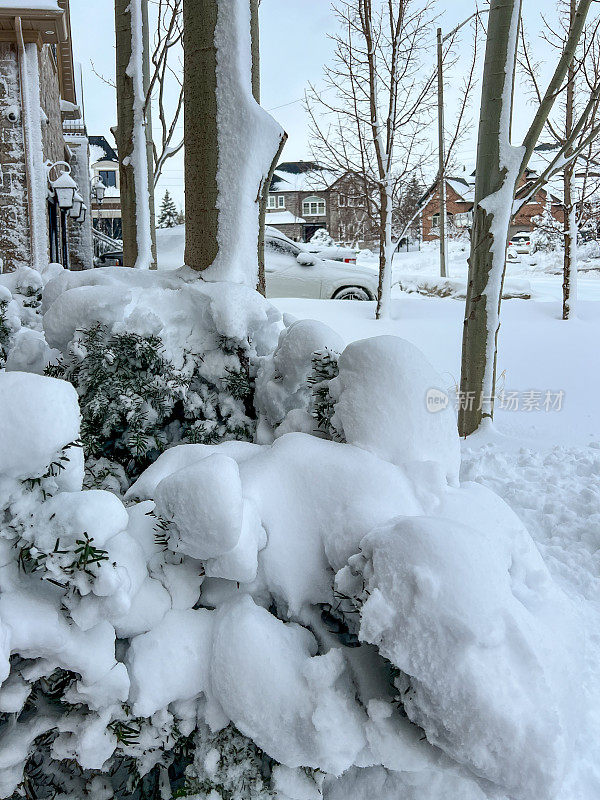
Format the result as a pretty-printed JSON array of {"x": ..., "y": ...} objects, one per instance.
[
  {"x": 283, "y": 218},
  {"x": 101, "y": 150},
  {"x": 30, "y": 5},
  {"x": 301, "y": 176},
  {"x": 462, "y": 188}
]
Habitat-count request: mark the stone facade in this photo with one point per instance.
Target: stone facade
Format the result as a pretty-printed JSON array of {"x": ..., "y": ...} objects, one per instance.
[
  {"x": 52, "y": 132},
  {"x": 29, "y": 216},
  {"x": 80, "y": 235},
  {"x": 298, "y": 214},
  {"x": 14, "y": 240}
]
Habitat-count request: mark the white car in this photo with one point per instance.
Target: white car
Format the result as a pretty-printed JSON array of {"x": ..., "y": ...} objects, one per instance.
[
  {"x": 291, "y": 271},
  {"x": 334, "y": 253},
  {"x": 521, "y": 242}
]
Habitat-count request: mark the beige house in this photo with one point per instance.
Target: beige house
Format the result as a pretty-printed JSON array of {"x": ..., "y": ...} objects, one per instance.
[
  {"x": 42, "y": 140},
  {"x": 106, "y": 215},
  {"x": 304, "y": 197}
]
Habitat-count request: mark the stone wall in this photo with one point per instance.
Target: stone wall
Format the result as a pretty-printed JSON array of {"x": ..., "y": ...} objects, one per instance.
[
  {"x": 52, "y": 134},
  {"x": 80, "y": 235},
  {"x": 14, "y": 227}
]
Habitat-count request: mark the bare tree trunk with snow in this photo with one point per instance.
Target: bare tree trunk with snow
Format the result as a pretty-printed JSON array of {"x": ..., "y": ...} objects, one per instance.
[
  {"x": 200, "y": 133},
  {"x": 500, "y": 167},
  {"x": 264, "y": 191},
  {"x": 569, "y": 227},
  {"x": 230, "y": 145},
  {"x": 375, "y": 128},
  {"x": 494, "y": 191},
  {"x": 135, "y": 166}
]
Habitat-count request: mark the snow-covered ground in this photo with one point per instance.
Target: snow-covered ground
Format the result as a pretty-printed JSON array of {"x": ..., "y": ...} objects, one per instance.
[{"x": 542, "y": 455}]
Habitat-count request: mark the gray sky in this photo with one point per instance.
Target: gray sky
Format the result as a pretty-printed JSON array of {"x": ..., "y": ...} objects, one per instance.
[{"x": 294, "y": 47}]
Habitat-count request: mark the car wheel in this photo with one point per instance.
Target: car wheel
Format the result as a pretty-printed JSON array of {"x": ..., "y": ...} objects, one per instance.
[{"x": 352, "y": 293}]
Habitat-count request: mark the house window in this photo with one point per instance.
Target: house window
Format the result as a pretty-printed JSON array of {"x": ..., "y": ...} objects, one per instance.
[
  {"x": 342, "y": 200},
  {"x": 435, "y": 221},
  {"x": 313, "y": 207},
  {"x": 356, "y": 202},
  {"x": 462, "y": 220},
  {"x": 108, "y": 177},
  {"x": 276, "y": 201}
]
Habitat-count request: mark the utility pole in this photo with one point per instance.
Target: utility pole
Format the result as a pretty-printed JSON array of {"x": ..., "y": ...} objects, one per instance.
[{"x": 441, "y": 155}]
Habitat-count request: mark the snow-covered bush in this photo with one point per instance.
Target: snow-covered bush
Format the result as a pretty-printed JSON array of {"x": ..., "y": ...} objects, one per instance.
[
  {"x": 22, "y": 343},
  {"x": 328, "y": 615},
  {"x": 134, "y": 402},
  {"x": 322, "y": 238},
  {"x": 9, "y": 324},
  {"x": 145, "y": 383},
  {"x": 547, "y": 234}
]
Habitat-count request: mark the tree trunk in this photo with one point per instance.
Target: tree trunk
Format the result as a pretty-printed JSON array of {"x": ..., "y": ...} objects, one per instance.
[
  {"x": 264, "y": 192},
  {"x": 494, "y": 194},
  {"x": 200, "y": 133},
  {"x": 137, "y": 218},
  {"x": 386, "y": 252},
  {"x": 149, "y": 141},
  {"x": 569, "y": 267}
]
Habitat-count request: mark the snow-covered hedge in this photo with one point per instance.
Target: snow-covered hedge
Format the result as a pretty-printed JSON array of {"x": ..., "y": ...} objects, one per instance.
[
  {"x": 22, "y": 345},
  {"x": 330, "y": 615},
  {"x": 156, "y": 361}
]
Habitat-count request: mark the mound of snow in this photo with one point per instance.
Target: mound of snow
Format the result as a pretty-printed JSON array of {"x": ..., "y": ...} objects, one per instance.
[
  {"x": 204, "y": 504},
  {"x": 473, "y": 620},
  {"x": 282, "y": 383},
  {"x": 295, "y": 706},
  {"x": 380, "y": 401},
  {"x": 40, "y": 416}
]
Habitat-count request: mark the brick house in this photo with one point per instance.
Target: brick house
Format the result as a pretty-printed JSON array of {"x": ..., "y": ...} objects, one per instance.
[
  {"x": 460, "y": 197},
  {"x": 42, "y": 133},
  {"x": 304, "y": 197}
]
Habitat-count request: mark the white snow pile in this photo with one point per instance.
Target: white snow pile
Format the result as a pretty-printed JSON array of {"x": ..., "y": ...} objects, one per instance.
[
  {"x": 456, "y": 288},
  {"x": 187, "y": 314},
  {"x": 22, "y": 344},
  {"x": 344, "y": 611}
]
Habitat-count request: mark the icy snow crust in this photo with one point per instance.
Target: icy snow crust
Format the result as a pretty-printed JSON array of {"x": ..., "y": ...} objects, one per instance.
[{"x": 347, "y": 605}]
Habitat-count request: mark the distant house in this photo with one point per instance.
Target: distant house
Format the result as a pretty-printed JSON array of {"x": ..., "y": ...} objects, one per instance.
[
  {"x": 42, "y": 135},
  {"x": 104, "y": 163},
  {"x": 460, "y": 198},
  {"x": 305, "y": 197}
]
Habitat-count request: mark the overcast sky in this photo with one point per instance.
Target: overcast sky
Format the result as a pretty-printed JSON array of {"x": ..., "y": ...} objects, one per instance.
[{"x": 294, "y": 48}]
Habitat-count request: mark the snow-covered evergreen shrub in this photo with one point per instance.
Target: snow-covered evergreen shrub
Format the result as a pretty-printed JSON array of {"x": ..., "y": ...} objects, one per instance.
[
  {"x": 229, "y": 765},
  {"x": 22, "y": 345},
  {"x": 547, "y": 234},
  {"x": 317, "y": 608},
  {"x": 324, "y": 369},
  {"x": 135, "y": 402},
  {"x": 322, "y": 238},
  {"x": 8, "y": 325},
  {"x": 146, "y": 380}
]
